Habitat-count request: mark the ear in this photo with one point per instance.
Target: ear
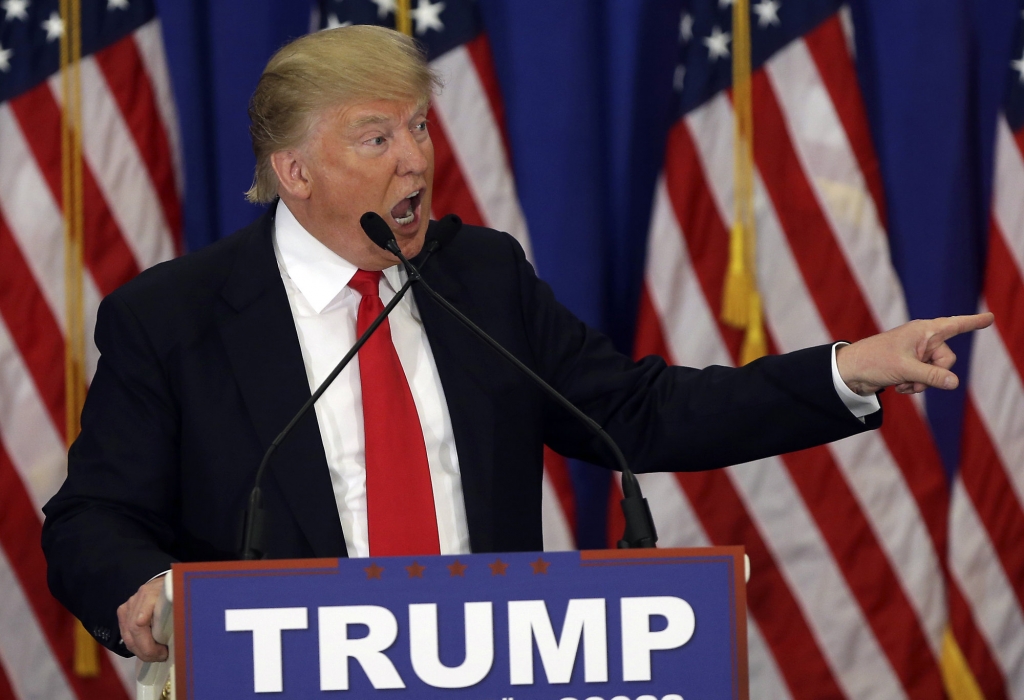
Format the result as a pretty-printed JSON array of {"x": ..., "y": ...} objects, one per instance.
[{"x": 292, "y": 174}]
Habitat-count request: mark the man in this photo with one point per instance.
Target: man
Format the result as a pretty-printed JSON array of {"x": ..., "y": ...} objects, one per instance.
[{"x": 206, "y": 358}]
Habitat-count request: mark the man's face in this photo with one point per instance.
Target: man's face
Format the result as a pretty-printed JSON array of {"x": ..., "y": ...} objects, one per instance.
[{"x": 369, "y": 156}]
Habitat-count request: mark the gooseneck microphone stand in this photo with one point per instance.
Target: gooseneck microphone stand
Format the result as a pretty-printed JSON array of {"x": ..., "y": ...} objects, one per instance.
[
  {"x": 640, "y": 531},
  {"x": 255, "y": 516}
]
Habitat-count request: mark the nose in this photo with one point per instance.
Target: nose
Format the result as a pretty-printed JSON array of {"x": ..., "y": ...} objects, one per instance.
[{"x": 413, "y": 155}]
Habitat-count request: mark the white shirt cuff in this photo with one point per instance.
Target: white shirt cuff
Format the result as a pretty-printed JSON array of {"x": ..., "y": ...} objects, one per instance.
[{"x": 859, "y": 406}]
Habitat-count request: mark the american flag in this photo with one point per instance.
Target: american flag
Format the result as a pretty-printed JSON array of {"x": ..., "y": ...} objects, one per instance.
[
  {"x": 131, "y": 189},
  {"x": 986, "y": 557},
  {"x": 473, "y": 174},
  {"x": 847, "y": 542}
]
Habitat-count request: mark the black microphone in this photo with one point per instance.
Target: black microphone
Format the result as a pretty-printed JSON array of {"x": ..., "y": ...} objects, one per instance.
[
  {"x": 255, "y": 516},
  {"x": 438, "y": 236},
  {"x": 441, "y": 235},
  {"x": 640, "y": 531}
]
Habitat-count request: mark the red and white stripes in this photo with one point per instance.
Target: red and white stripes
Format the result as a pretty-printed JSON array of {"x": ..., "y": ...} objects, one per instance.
[
  {"x": 132, "y": 198},
  {"x": 986, "y": 557},
  {"x": 847, "y": 593},
  {"x": 470, "y": 115},
  {"x": 473, "y": 178}
]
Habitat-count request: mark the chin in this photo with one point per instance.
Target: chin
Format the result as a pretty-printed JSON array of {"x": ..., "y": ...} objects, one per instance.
[
  {"x": 411, "y": 249},
  {"x": 412, "y": 244}
]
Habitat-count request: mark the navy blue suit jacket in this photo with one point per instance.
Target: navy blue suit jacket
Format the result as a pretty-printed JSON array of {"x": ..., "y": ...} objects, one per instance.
[{"x": 201, "y": 368}]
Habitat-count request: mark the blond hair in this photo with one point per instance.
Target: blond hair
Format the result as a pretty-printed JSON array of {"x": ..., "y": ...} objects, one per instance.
[{"x": 326, "y": 69}]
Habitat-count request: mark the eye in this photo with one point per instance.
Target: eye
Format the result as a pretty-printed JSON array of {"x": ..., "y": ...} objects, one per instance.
[{"x": 376, "y": 141}]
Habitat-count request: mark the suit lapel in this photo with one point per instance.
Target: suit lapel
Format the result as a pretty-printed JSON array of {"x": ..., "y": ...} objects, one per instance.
[
  {"x": 265, "y": 357},
  {"x": 469, "y": 400}
]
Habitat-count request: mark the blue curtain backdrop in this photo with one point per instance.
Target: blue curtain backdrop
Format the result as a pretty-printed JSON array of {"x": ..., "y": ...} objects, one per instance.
[{"x": 587, "y": 92}]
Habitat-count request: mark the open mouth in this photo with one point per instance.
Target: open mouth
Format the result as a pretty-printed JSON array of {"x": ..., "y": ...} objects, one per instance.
[{"x": 404, "y": 213}]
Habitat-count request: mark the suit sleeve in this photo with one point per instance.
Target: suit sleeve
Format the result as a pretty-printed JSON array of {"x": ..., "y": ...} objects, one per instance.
[
  {"x": 667, "y": 418},
  {"x": 107, "y": 531}
]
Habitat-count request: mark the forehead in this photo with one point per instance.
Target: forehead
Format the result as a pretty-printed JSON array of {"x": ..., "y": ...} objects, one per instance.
[{"x": 357, "y": 115}]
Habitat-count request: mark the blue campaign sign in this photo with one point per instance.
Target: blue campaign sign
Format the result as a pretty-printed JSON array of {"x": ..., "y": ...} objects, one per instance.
[{"x": 665, "y": 624}]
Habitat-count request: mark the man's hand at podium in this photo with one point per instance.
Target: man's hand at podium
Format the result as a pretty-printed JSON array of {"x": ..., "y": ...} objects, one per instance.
[
  {"x": 911, "y": 357},
  {"x": 135, "y": 617}
]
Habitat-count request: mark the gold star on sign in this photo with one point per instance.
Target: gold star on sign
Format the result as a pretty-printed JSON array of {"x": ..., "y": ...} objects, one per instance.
[
  {"x": 540, "y": 566},
  {"x": 415, "y": 570},
  {"x": 498, "y": 567},
  {"x": 374, "y": 571},
  {"x": 457, "y": 568}
]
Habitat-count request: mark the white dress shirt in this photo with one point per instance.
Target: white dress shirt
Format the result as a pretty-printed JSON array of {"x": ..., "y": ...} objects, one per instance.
[
  {"x": 859, "y": 406},
  {"x": 325, "y": 309}
]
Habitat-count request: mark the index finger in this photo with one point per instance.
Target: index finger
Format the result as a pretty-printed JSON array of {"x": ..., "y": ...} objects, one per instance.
[
  {"x": 955, "y": 325},
  {"x": 144, "y": 606},
  {"x": 138, "y": 634},
  {"x": 142, "y": 644}
]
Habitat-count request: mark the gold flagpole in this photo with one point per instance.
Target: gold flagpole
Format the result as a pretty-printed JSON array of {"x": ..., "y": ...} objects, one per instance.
[
  {"x": 741, "y": 301},
  {"x": 741, "y": 304},
  {"x": 403, "y": 17},
  {"x": 86, "y": 655}
]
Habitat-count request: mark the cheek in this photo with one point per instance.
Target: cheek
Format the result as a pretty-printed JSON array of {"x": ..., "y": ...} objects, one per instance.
[
  {"x": 428, "y": 152},
  {"x": 366, "y": 189}
]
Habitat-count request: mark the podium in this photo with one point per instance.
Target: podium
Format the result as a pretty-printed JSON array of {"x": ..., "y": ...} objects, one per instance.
[{"x": 653, "y": 624}]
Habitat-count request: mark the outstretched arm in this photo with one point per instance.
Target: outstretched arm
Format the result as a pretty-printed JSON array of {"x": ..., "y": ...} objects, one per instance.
[{"x": 911, "y": 357}]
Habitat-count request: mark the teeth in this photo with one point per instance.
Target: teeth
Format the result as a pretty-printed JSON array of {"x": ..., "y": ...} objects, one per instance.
[{"x": 410, "y": 215}]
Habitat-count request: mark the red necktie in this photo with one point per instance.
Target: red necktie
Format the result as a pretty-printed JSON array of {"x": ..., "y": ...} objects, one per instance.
[{"x": 399, "y": 499}]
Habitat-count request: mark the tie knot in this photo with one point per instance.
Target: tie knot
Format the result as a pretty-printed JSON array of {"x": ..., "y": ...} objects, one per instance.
[{"x": 366, "y": 282}]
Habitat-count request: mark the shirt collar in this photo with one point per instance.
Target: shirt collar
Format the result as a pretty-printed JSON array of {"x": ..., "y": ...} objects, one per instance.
[{"x": 320, "y": 274}]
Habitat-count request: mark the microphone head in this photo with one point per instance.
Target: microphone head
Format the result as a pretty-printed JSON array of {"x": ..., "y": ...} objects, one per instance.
[
  {"x": 378, "y": 230},
  {"x": 442, "y": 233}
]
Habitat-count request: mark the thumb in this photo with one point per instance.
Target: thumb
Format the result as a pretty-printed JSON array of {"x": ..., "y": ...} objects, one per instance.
[{"x": 930, "y": 375}]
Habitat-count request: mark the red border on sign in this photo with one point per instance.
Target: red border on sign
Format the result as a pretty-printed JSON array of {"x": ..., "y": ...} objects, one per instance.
[{"x": 222, "y": 569}]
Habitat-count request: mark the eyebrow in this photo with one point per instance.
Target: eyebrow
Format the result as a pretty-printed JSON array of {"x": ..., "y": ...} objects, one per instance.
[
  {"x": 382, "y": 119},
  {"x": 372, "y": 119}
]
